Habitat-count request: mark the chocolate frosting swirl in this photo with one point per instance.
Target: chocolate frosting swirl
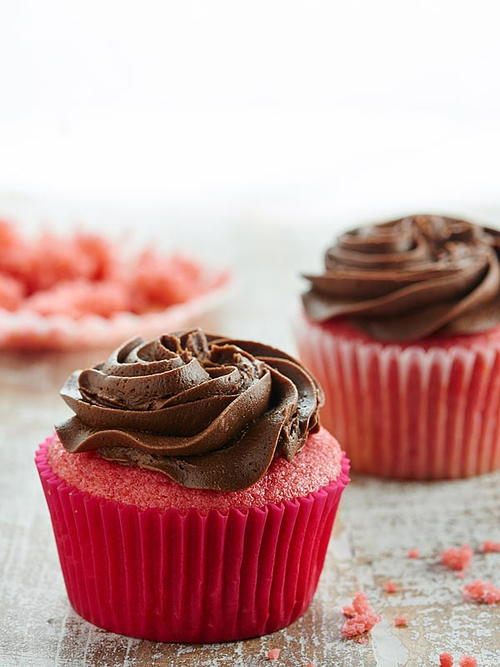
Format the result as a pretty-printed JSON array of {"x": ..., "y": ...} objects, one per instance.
[
  {"x": 409, "y": 278},
  {"x": 207, "y": 411}
]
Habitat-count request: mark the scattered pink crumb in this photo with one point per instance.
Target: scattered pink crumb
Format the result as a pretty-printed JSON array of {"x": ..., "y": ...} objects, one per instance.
[
  {"x": 445, "y": 660},
  {"x": 401, "y": 622},
  {"x": 390, "y": 587},
  {"x": 482, "y": 592},
  {"x": 413, "y": 553},
  {"x": 467, "y": 661},
  {"x": 490, "y": 547},
  {"x": 361, "y": 619},
  {"x": 348, "y": 612},
  {"x": 461, "y": 574},
  {"x": 457, "y": 558},
  {"x": 309, "y": 664},
  {"x": 273, "y": 653}
]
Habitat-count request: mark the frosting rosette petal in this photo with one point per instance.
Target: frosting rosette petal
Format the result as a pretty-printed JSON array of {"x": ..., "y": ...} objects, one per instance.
[
  {"x": 409, "y": 278},
  {"x": 209, "y": 412}
]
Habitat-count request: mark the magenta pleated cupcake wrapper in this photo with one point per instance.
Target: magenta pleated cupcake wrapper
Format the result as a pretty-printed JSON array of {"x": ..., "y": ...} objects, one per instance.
[
  {"x": 409, "y": 413},
  {"x": 189, "y": 576}
]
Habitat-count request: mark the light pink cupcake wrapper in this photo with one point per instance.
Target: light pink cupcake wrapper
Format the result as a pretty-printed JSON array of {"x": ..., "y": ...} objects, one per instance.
[
  {"x": 189, "y": 576},
  {"x": 408, "y": 413}
]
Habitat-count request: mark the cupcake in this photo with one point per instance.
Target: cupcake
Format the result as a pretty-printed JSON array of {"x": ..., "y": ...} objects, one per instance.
[
  {"x": 403, "y": 332},
  {"x": 193, "y": 492}
]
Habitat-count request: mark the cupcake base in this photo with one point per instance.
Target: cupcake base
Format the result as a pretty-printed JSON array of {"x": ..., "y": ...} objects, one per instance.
[
  {"x": 189, "y": 576},
  {"x": 410, "y": 411}
]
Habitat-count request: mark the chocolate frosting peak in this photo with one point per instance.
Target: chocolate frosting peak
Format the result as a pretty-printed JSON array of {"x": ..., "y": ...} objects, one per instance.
[
  {"x": 409, "y": 278},
  {"x": 207, "y": 411}
]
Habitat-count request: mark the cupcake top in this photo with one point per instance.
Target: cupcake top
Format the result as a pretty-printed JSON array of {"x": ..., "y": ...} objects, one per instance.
[
  {"x": 409, "y": 278},
  {"x": 209, "y": 412}
]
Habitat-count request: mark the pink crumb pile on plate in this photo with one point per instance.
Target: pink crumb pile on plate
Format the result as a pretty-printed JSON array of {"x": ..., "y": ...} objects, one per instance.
[
  {"x": 316, "y": 465},
  {"x": 413, "y": 553},
  {"x": 85, "y": 274},
  {"x": 360, "y": 619},
  {"x": 401, "y": 622},
  {"x": 482, "y": 592},
  {"x": 390, "y": 587},
  {"x": 445, "y": 660},
  {"x": 490, "y": 547},
  {"x": 457, "y": 559},
  {"x": 273, "y": 653}
]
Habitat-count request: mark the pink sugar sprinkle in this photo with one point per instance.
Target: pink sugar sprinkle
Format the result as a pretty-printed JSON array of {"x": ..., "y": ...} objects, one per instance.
[
  {"x": 390, "y": 587},
  {"x": 467, "y": 661},
  {"x": 445, "y": 660},
  {"x": 482, "y": 592},
  {"x": 457, "y": 558},
  {"x": 273, "y": 653},
  {"x": 361, "y": 619},
  {"x": 401, "y": 622},
  {"x": 413, "y": 553},
  {"x": 490, "y": 547}
]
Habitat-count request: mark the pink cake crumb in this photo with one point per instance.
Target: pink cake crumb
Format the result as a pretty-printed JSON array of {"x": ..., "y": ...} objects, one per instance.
[
  {"x": 360, "y": 605},
  {"x": 390, "y": 587},
  {"x": 273, "y": 653},
  {"x": 361, "y": 619},
  {"x": 482, "y": 592},
  {"x": 401, "y": 622},
  {"x": 467, "y": 661},
  {"x": 445, "y": 660},
  {"x": 413, "y": 553},
  {"x": 457, "y": 558},
  {"x": 490, "y": 547},
  {"x": 78, "y": 298},
  {"x": 11, "y": 292},
  {"x": 316, "y": 465}
]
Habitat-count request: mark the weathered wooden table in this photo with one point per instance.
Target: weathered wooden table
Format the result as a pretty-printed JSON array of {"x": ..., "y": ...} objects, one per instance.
[{"x": 377, "y": 524}]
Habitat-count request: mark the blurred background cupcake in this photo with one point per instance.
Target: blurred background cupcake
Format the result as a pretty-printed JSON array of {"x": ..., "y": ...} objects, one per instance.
[
  {"x": 402, "y": 329},
  {"x": 193, "y": 493}
]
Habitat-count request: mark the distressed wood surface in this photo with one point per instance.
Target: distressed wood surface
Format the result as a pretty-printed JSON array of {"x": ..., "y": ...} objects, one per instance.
[{"x": 378, "y": 522}]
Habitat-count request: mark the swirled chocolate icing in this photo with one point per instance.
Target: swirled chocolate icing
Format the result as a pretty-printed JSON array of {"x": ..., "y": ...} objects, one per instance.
[
  {"x": 209, "y": 412},
  {"x": 409, "y": 278}
]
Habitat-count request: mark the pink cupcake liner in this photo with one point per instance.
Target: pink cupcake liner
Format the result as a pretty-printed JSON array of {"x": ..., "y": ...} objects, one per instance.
[
  {"x": 408, "y": 412},
  {"x": 189, "y": 576},
  {"x": 26, "y": 329}
]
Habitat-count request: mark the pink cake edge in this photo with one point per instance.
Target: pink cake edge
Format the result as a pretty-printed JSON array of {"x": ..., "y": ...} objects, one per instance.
[
  {"x": 341, "y": 328},
  {"x": 43, "y": 464}
]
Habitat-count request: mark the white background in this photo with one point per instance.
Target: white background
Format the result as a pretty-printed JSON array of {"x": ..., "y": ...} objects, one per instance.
[{"x": 297, "y": 112}]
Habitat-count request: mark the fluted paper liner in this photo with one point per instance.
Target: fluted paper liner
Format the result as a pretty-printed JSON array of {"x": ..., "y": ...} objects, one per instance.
[
  {"x": 411, "y": 412},
  {"x": 189, "y": 576}
]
